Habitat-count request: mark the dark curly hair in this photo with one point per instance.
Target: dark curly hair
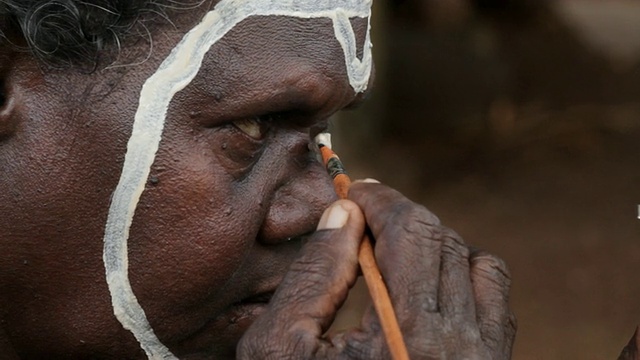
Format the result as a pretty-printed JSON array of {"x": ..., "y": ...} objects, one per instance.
[{"x": 77, "y": 31}]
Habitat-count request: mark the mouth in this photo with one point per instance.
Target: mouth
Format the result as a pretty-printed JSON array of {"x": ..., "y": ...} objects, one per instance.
[
  {"x": 245, "y": 311},
  {"x": 220, "y": 334},
  {"x": 262, "y": 298},
  {"x": 219, "y": 337}
]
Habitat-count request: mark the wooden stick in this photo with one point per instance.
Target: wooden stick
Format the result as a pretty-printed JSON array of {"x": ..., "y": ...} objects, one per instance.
[{"x": 366, "y": 258}]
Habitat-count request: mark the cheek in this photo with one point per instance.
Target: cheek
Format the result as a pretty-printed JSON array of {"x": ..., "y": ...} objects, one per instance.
[
  {"x": 192, "y": 228},
  {"x": 56, "y": 177}
]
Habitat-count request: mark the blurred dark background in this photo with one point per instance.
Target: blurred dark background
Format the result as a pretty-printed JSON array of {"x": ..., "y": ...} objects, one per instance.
[{"x": 518, "y": 123}]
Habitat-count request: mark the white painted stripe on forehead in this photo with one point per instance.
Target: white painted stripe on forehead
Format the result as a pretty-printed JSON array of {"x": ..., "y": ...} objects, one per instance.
[{"x": 173, "y": 75}]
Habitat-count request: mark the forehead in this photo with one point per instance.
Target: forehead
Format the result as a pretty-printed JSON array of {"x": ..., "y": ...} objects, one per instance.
[{"x": 229, "y": 13}]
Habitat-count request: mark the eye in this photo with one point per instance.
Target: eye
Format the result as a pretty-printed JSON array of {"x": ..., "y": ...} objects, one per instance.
[{"x": 256, "y": 128}]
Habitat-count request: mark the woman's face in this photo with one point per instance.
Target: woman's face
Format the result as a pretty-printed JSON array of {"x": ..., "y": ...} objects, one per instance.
[{"x": 225, "y": 208}]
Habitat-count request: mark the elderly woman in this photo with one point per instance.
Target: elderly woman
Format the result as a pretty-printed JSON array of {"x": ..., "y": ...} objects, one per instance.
[{"x": 160, "y": 197}]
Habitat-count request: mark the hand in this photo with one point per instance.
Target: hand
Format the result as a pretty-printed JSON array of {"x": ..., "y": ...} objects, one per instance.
[{"x": 451, "y": 303}]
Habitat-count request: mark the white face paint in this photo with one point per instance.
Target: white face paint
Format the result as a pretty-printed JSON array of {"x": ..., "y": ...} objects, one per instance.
[{"x": 173, "y": 75}]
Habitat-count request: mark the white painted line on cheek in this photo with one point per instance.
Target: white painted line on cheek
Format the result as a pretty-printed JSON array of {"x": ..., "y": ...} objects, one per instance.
[{"x": 173, "y": 75}]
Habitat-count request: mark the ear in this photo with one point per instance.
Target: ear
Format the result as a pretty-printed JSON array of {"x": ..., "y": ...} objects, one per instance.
[{"x": 8, "y": 118}]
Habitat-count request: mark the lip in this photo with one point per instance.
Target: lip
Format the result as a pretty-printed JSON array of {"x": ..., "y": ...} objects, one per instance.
[
  {"x": 264, "y": 297},
  {"x": 219, "y": 335},
  {"x": 235, "y": 320},
  {"x": 247, "y": 310},
  {"x": 243, "y": 313}
]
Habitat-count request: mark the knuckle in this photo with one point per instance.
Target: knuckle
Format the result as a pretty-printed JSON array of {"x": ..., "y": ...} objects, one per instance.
[
  {"x": 252, "y": 346},
  {"x": 319, "y": 260},
  {"x": 361, "y": 345},
  {"x": 427, "y": 348},
  {"x": 430, "y": 339},
  {"x": 414, "y": 220},
  {"x": 452, "y": 235},
  {"x": 492, "y": 267},
  {"x": 296, "y": 343},
  {"x": 421, "y": 214},
  {"x": 359, "y": 350},
  {"x": 301, "y": 339},
  {"x": 315, "y": 274},
  {"x": 492, "y": 331},
  {"x": 314, "y": 267},
  {"x": 407, "y": 211},
  {"x": 453, "y": 245}
]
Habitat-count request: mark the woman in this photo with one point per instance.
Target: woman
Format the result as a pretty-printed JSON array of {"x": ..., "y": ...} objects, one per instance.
[{"x": 159, "y": 187}]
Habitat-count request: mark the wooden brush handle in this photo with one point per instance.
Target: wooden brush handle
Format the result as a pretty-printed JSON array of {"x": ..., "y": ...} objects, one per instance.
[{"x": 366, "y": 258}]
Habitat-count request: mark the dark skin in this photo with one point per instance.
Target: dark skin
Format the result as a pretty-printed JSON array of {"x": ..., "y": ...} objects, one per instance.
[
  {"x": 450, "y": 304},
  {"x": 209, "y": 241}
]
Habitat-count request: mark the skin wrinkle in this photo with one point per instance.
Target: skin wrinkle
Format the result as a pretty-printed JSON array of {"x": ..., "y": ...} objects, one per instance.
[
  {"x": 453, "y": 266},
  {"x": 400, "y": 209},
  {"x": 488, "y": 272},
  {"x": 489, "y": 321},
  {"x": 126, "y": 306},
  {"x": 315, "y": 293},
  {"x": 406, "y": 217},
  {"x": 272, "y": 197},
  {"x": 169, "y": 238},
  {"x": 455, "y": 270}
]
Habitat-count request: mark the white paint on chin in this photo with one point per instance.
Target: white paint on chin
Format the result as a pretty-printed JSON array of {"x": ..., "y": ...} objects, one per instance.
[{"x": 173, "y": 75}]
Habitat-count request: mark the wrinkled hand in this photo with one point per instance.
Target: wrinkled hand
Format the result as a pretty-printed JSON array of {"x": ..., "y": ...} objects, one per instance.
[{"x": 450, "y": 303}]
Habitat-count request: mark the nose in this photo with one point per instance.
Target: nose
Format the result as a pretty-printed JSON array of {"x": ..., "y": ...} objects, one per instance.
[{"x": 297, "y": 206}]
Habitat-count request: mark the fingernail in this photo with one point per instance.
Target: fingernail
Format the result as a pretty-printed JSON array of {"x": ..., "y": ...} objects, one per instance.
[
  {"x": 333, "y": 218},
  {"x": 368, "y": 180}
]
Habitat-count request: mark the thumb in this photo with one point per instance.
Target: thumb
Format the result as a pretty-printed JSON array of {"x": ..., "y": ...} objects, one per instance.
[
  {"x": 315, "y": 286},
  {"x": 318, "y": 281}
]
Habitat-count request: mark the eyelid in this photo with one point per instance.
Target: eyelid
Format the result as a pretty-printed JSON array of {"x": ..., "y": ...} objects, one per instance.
[
  {"x": 258, "y": 127},
  {"x": 322, "y": 126}
]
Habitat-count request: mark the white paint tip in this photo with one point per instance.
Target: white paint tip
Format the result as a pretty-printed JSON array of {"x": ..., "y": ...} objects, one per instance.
[{"x": 324, "y": 139}]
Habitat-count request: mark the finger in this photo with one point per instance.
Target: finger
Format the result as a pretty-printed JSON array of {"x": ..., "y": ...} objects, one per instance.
[
  {"x": 313, "y": 289},
  {"x": 361, "y": 344},
  {"x": 491, "y": 282},
  {"x": 374, "y": 199},
  {"x": 407, "y": 248},
  {"x": 318, "y": 281},
  {"x": 630, "y": 352},
  {"x": 456, "y": 297}
]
